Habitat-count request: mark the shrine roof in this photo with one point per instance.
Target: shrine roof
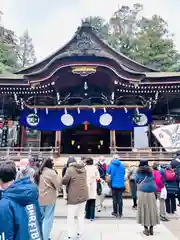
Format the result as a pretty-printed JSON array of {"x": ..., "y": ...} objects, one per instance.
[
  {"x": 86, "y": 42},
  {"x": 11, "y": 76},
  {"x": 161, "y": 74}
]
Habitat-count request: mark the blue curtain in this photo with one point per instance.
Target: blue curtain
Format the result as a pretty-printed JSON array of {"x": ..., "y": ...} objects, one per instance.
[{"x": 113, "y": 119}]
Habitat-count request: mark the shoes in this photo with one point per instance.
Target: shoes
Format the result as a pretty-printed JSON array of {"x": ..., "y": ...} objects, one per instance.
[
  {"x": 134, "y": 207},
  {"x": 79, "y": 236},
  {"x": 146, "y": 231},
  {"x": 120, "y": 215},
  {"x": 151, "y": 231},
  {"x": 114, "y": 214},
  {"x": 164, "y": 219}
]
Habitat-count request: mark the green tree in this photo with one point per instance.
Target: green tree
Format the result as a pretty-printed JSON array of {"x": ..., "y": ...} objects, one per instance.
[
  {"x": 124, "y": 26},
  {"x": 157, "y": 44},
  {"x": 26, "y": 52},
  {"x": 100, "y": 26},
  {"x": 8, "y": 49},
  {"x": 145, "y": 40}
]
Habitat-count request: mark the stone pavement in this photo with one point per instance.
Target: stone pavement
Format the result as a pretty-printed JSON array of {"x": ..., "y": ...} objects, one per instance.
[
  {"x": 106, "y": 227},
  {"x": 112, "y": 229},
  {"x": 128, "y": 212}
]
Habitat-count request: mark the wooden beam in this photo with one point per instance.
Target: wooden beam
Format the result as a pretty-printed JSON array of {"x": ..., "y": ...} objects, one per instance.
[
  {"x": 84, "y": 106},
  {"x": 58, "y": 141}
]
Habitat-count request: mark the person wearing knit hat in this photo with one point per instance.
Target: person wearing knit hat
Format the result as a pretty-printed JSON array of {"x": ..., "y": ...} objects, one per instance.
[
  {"x": 143, "y": 163},
  {"x": 147, "y": 212}
]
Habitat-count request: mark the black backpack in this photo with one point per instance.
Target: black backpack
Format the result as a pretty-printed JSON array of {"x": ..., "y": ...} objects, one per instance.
[{"x": 99, "y": 188}]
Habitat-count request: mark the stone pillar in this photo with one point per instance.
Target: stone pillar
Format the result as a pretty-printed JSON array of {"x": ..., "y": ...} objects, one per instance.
[
  {"x": 112, "y": 141},
  {"x": 58, "y": 142}
]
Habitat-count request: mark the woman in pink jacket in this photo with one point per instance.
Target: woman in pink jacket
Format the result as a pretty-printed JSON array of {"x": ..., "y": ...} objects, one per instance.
[{"x": 158, "y": 179}]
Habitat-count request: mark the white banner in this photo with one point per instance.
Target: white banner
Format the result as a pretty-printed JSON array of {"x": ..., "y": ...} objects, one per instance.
[{"x": 168, "y": 136}]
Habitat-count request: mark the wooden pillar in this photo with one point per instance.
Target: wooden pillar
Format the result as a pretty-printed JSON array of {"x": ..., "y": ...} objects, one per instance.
[
  {"x": 132, "y": 140},
  {"x": 58, "y": 142},
  {"x": 23, "y": 136},
  {"x": 112, "y": 141}
]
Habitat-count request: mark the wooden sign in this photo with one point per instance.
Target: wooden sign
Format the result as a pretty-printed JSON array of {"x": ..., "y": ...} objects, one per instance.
[{"x": 84, "y": 70}]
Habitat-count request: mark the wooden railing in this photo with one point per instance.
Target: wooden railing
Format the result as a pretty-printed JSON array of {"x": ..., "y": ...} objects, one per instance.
[
  {"x": 126, "y": 154},
  {"x": 16, "y": 153},
  {"x": 155, "y": 153}
]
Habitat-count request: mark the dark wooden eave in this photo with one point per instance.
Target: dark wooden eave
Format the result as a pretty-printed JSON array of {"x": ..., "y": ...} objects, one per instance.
[{"x": 98, "y": 46}]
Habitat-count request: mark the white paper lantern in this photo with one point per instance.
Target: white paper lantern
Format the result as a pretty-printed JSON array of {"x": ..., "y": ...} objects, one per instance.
[
  {"x": 105, "y": 119},
  {"x": 67, "y": 119}
]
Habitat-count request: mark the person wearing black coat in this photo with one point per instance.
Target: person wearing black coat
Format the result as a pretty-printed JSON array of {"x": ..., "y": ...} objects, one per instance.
[
  {"x": 175, "y": 163},
  {"x": 172, "y": 190}
]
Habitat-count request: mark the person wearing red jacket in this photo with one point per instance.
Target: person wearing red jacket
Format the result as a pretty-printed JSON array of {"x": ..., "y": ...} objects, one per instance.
[{"x": 158, "y": 179}]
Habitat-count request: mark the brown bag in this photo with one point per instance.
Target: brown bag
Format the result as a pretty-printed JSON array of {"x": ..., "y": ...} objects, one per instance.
[{"x": 108, "y": 180}]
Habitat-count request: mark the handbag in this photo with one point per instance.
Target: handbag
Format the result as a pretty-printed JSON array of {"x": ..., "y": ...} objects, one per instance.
[
  {"x": 108, "y": 180},
  {"x": 163, "y": 194}
]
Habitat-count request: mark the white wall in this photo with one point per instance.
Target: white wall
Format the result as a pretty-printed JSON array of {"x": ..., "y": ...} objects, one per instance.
[{"x": 141, "y": 137}]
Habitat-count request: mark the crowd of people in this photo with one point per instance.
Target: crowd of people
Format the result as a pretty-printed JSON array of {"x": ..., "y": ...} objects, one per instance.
[{"x": 28, "y": 194}]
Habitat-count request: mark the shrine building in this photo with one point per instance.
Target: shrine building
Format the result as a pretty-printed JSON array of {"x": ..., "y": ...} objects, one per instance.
[{"x": 86, "y": 98}]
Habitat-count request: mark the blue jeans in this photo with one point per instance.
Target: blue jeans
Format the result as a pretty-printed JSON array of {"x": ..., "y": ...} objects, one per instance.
[{"x": 47, "y": 213}]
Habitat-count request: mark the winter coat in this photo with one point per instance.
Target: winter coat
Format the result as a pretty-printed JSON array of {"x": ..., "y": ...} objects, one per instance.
[
  {"x": 19, "y": 212},
  {"x": 76, "y": 181},
  {"x": 116, "y": 170},
  {"x": 92, "y": 177},
  {"x": 49, "y": 185},
  {"x": 175, "y": 163},
  {"x": 26, "y": 172},
  {"x": 158, "y": 179},
  {"x": 171, "y": 187},
  {"x": 102, "y": 168},
  {"x": 145, "y": 183},
  {"x": 132, "y": 173}
]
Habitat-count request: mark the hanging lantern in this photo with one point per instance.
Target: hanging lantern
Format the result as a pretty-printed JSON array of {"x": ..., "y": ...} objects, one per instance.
[{"x": 85, "y": 125}]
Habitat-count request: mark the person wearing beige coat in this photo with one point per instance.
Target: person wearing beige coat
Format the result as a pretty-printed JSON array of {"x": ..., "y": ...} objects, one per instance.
[
  {"x": 48, "y": 184},
  {"x": 77, "y": 194},
  {"x": 92, "y": 177}
]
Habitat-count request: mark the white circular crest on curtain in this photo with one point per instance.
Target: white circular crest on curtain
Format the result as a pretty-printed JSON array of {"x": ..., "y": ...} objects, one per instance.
[
  {"x": 67, "y": 119},
  {"x": 105, "y": 119},
  {"x": 32, "y": 119},
  {"x": 141, "y": 119}
]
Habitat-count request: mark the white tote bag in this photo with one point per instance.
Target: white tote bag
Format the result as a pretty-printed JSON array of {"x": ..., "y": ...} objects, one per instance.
[
  {"x": 163, "y": 194},
  {"x": 105, "y": 189}
]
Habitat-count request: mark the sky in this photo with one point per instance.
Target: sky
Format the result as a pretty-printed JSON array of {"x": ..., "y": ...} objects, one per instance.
[{"x": 52, "y": 23}]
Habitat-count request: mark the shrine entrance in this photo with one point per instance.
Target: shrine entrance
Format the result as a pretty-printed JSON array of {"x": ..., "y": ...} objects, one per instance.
[
  {"x": 85, "y": 139},
  {"x": 47, "y": 139}
]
